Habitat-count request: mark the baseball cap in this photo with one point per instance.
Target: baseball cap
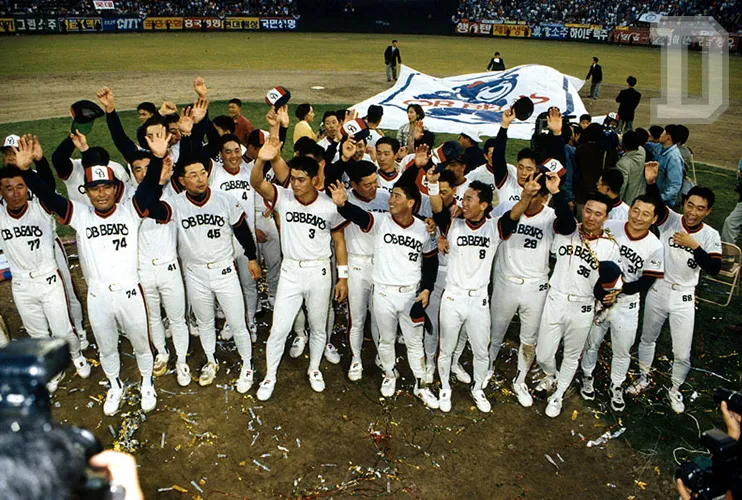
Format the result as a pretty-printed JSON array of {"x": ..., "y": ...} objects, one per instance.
[
  {"x": 472, "y": 133},
  {"x": 448, "y": 152},
  {"x": 357, "y": 129},
  {"x": 523, "y": 108},
  {"x": 257, "y": 138},
  {"x": 552, "y": 165},
  {"x": 609, "y": 275},
  {"x": 98, "y": 174},
  {"x": 11, "y": 141},
  {"x": 277, "y": 97},
  {"x": 84, "y": 114}
]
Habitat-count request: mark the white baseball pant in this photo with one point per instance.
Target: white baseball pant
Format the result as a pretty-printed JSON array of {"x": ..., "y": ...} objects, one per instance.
[
  {"x": 203, "y": 284},
  {"x": 623, "y": 320},
  {"x": 73, "y": 302},
  {"x": 308, "y": 281},
  {"x": 41, "y": 300},
  {"x": 565, "y": 317},
  {"x": 464, "y": 309},
  {"x": 391, "y": 307},
  {"x": 163, "y": 286},
  {"x": 666, "y": 300},
  {"x": 527, "y": 298},
  {"x": 123, "y": 304},
  {"x": 360, "y": 286},
  {"x": 430, "y": 338},
  {"x": 270, "y": 251},
  {"x": 249, "y": 288}
]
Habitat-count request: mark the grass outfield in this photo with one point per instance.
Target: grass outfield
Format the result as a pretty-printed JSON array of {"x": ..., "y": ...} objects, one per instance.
[{"x": 438, "y": 55}]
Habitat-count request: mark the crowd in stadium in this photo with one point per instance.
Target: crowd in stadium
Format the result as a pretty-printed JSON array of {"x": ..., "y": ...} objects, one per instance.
[
  {"x": 151, "y": 7},
  {"x": 604, "y": 12}
]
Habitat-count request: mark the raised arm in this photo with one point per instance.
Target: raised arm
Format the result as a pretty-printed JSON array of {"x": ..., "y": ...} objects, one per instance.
[
  {"x": 267, "y": 153},
  {"x": 565, "y": 222},
  {"x": 123, "y": 143},
  {"x": 509, "y": 220},
  {"x": 499, "y": 163},
  {"x": 52, "y": 201},
  {"x": 349, "y": 211},
  {"x": 61, "y": 158},
  {"x": 276, "y": 121},
  {"x": 146, "y": 199}
]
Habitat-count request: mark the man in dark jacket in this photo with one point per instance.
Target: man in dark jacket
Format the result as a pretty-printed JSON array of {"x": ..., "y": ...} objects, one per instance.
[
  {"x": 496, "y": 63},
  {"x": 391, "y": 58},
  {"x": 596, "y": 73},
  {"x": 628, "y": 100}
]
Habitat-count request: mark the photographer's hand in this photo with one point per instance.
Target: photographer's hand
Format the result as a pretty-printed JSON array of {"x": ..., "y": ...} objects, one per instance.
[
  {"x": 684, "y": 492},
  {"x": 122, "y": 471},
  {"x": 732, "y": 420}
]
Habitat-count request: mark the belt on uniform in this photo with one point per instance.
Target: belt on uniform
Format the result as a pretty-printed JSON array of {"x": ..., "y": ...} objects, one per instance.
[
  {"x": 397, "y": 288},
  {"x": 308, "y": 263},
  {"x": 471, "y": 292}
]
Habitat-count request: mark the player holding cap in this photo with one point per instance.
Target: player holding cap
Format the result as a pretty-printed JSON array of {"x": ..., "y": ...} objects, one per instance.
[
  {"x": 405, "y": 262},
  {"x": 473, "y": 241},
  {"x": 309, "y": 222},
  {"x": 28, "y": 235},
  {"x": 568, "y": 313},
  {"x": 520, "y": 279},
  {"x": 641, "y": 263},
  {"x": 689, "y": 244},
  {"x": 108, "y": 239}
]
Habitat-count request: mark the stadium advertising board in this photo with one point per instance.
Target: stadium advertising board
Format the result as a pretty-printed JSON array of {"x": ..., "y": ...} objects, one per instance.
[
  {"x": 633, "y": 36},
  {"x": 36, "y": 24},
  {"x": 511, "y": 30},
  {"x": 163, "y": 23},
  {"x": 278, "y": 23},
  {"x": 83, "y": 24},
  {"x": 202, "y": 23},
  {"x": 587, "y": 33},
  {"x": 550, "y": 32},
  {"x": 242, "y": 23},
  {"x": 104, "y": 4},
  {"x": 7, "y": 25},
  {"x": 116, "y": 24}
]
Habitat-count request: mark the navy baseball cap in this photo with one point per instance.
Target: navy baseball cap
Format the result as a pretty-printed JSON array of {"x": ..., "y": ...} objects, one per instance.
[{"x": 84, "y": 114}]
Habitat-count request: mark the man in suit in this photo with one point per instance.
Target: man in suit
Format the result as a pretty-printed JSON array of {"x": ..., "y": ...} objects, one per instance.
[
  {"x": 596, "y": 73},
  {"x": 496, "y": 63},
  {"x": 628, "y": 99},
  {"x": 391, "y": 58}
]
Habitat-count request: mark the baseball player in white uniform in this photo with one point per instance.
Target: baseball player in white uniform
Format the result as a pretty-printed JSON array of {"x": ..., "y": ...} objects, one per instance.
[
  {"x": 641, "y": 263},
  {"x": 309, "y": 222},
  {"x": 690, "y": 245},
  {"x": 365, "y": 194},
  {"x": 27, "y": 232},
  {"x": 208, "y": 221},
  {"x": 610, "y": 184},
  {"x": 473, "y": 241},
  {"x": 521, "y": 275},
  {"x": 405, "y": 262},
  {"x": 389, "y": 170},
  {"x": 108, "y": 239},
  {"x": 569, "y": 310}
]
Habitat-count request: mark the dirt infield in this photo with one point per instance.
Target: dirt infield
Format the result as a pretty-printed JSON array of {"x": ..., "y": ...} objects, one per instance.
[{"x": 54, "y": 92}]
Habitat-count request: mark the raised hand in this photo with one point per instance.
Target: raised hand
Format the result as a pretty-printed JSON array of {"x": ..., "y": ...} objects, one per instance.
[
  {"x": 272, "y": 118},
  {"x": 432, "y": 176},
  {"x": 35, "y": 145},
  {"x": 105, "y": 97},
  {"x": 507, "y": 117},
  {"x": 23, "y": 154},
  {"x": 554, "y": 120},
  {"x": 199, "y": 85},
  {"x": 283, "y": 115},
  {"x": 651, "y": 171},
  {"x": 552, "y": 182},
  {"x": 338, "y": 193},
  {"x": 158, "y": 143},
  {"x": 418, "y": 131},
  {"x": 349, "y": 149},
  {"x": 167, "y": 170},
  {"x": 199, "y": 109},
  {"x": 422, "y": 155},
  {"x": 185, "y": 124},
  {"x": 168, "y": 108},
  {"x": 79, "y": 140},
  {"x": 532, "y": 187},
  {"x": 270, "y": 150}
]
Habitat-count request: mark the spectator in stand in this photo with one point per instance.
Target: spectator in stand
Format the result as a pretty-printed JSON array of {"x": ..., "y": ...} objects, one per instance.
[
  {"x": 628, "y": 100},
  {"x": 305, "y": 114},
  {"x": 496, "y": 63},
  {"x": 631, "y": 165},
  {"x": 596, "y": 73},
  {"x": 733, "y": 222},
  {"x": 667, "y": 154},
  {"x": 242, "y": 126}
]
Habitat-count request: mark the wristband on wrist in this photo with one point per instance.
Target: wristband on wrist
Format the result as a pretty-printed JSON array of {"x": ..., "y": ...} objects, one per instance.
[
  {"x": 342, "y": 272},
  {"x": 434, "y": 189}
]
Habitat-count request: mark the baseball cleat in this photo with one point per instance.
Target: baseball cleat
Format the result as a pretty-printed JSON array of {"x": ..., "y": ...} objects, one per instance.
[
  {"x": 355, "y": 373},
  {"x": 461, "y": 374},
  {"x": 208, "y": 374},
  {"x": 193, "y": 328},
  {"x": 331, "y": 354},
  {"x": 54, "y": 382},
  {"x": 244, "y": 382},
  {"x": 316, "y": 381},
  {"x": 183, "y": 372},
  {"x": 113, "y": 400},
  {"x": 676, "y": 400},
  {"x": 82, "y": 367},
  {"x": 388, "y": 386},
  {"x": 617, "y": 402},
  {"x": 226, "y": 333},
  {"x": 265, "y": 389},
  {"x": 588, "y": 390},
  {"x": 481, "y": 401},
  {"x": 639, "y": 386},
  {"x": 444, "y": 400},
  {"x": 160, "y": 366},
  {"x": 429, "y": 373},
  {"x": 427, "y": 397},
  {"x": 297, "y": 346},
  {"x": 554, "y": 406},
  {"x": 545, "y": 386},
  {"x": 524, "y": 397},
  {"x": 149, "y": 398}
]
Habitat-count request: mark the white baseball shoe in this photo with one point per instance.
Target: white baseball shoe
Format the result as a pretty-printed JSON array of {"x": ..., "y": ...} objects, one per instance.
[
  {"x": 160, "y": 366},
  {"x": 331, "y": 354},
  {"x": 355, "y": 373},
  {"x": 297, "y": 346},
  {"x": 444, "y": 400},
  {"x": 113, "y": 400},
  {"x": 244, "y": 382},
  {"x": 427, "y": 397},
  {"x": 149, "y": 398},
  {"x": 617, "y": 402},
  {"x": 481, "y": 401},
  {"x": 587, "y": 391},
  {"x": 429, "y": 373},
  {"x": 53, "y": 384},
  {"x": 183, "y": 373},
  {"x": 82, "y": 367},
  {"x": 639, "y": 386},
  {"x": 545, "y": 386},
  {"x": 388, "y": 386},
  {"x": 400, "y": 339},
  {"x": 461, "y": 374},
  {"x": 226, "y": 333},
  {"x": 554, "y": 406},
  {"x": 676, "y": 400},
  {"x": 265, "y": 389},
  {"x": 521, "y": 391},
  {"x": 316, "y": 381},
  {"x": 208, "y": 374}
]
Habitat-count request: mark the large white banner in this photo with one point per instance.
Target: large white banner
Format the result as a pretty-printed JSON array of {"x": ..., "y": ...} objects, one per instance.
[{"x": 477, "y": 100}]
